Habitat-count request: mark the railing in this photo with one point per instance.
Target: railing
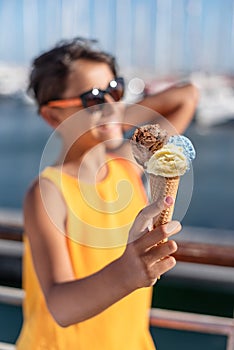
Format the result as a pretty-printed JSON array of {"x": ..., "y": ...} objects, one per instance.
[
  {"x": 190, "y": 252},
  {"x": 6, "y": 346},
  {"x": 185, "y": 321}
]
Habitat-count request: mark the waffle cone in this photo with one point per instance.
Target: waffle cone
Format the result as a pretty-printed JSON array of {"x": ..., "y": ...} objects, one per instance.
[{"x": 160, "y": 187}]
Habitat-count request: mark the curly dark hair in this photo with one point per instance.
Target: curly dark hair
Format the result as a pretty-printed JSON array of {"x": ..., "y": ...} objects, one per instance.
[{"x": 50, "y": 70}]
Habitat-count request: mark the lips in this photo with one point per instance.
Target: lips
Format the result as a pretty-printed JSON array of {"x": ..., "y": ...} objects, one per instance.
[{"x": 110, "y": 127}]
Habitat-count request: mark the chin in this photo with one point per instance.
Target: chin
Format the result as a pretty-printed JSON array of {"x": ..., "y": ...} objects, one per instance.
[{"x": 112, "y": 145}]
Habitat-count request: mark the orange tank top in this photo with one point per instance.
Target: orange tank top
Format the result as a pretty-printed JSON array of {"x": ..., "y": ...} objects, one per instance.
[{"x": 99, "y": 218}]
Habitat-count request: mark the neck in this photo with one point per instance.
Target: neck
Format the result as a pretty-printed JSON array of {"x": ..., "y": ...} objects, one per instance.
[{"x": 89, "y": 165}]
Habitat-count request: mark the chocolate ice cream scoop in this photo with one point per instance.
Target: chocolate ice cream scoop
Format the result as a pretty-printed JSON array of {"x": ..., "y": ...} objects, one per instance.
[{"x": 146, "y": 140}]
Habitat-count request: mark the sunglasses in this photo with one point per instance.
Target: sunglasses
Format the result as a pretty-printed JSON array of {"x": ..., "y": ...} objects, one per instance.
[{"x": 92, "y": 97}]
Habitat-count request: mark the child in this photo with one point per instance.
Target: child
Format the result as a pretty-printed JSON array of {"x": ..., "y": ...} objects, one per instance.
[{"x": 89, "y": 266}]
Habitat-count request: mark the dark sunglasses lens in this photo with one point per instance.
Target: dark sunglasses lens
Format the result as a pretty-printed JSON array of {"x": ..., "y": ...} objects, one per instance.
[
  {"x": 90, "y": 100},
  {"x": 116, "y": 89}
]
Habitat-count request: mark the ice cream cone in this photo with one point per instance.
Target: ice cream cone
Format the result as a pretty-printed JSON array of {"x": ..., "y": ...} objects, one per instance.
[{"x": 160, "y": 187}]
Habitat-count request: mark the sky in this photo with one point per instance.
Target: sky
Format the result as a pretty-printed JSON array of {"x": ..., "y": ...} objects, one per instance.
[{"x": 158, "y": 35}]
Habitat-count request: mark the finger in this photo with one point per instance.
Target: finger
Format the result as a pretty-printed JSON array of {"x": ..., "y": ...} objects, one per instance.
[
  {"x": 158, "y": 206},
  {"x": 145, "y": 216},
  {"x": 159, "y": 252},
  {"x": 151, "y": 238},
  {"x": 164, "y": 265},
  {"x": 159, "y": 268},
  {"x": 167, "y": 202}
]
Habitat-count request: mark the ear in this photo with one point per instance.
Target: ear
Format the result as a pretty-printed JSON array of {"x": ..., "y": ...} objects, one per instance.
[{"x": 50, "y": 115}]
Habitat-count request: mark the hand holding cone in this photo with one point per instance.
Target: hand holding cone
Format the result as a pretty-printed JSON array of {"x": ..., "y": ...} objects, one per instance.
[{"x": 164, "y": 160}]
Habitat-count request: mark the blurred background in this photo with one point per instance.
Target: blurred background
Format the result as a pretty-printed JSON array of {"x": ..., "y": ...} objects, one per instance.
[{"x": 157, "y": 43}]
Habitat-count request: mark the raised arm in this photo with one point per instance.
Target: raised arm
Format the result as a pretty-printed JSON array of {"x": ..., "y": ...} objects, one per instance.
[
  {"x": 177, "y": 104},
  {"x": 70, "y": 300}
]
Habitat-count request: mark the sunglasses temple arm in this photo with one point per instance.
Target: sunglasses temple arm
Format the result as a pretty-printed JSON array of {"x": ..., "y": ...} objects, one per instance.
[{"x": 71, "y": 102}]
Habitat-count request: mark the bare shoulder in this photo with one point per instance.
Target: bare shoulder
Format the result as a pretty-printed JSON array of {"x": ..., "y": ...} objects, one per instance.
[
  {"x": 45, "y": 227},
  {"x": 43, "y": 189},
  {"x": 44, "y": 200}
]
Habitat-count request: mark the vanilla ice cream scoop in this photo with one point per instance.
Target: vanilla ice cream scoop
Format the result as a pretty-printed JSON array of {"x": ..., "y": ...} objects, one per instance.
[{"x": 169, "y": 161}]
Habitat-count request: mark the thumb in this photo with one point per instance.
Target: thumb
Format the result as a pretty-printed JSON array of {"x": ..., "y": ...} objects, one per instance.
[
  {"x": 145, "y": 217},
  {"x": 167, "y": 202}
]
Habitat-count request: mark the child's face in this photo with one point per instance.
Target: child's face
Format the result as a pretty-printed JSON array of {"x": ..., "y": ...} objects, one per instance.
[{"x": 105, "y": 124}]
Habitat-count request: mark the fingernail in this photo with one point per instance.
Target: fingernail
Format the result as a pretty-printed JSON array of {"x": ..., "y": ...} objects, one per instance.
[
  {"x": 171, "y": 226},
  {"x": 169, "y": 200}
]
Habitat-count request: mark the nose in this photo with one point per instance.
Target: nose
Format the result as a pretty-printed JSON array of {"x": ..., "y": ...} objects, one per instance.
[
  {"x": 107, "y": 107},
  {"x": 108, "y": 98}
]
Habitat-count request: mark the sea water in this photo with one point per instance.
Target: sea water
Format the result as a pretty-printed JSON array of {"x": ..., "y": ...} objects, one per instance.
[{"x": 22, "y": 138}]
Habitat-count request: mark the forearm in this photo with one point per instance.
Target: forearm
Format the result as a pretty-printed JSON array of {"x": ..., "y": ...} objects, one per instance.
[
  {"x": 176, "y": 104},
  {"x": 78, "y": 300},
  {"x": 181, "y": 116}
]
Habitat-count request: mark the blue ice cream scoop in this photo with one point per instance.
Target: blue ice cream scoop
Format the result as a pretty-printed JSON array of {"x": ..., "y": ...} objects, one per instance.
[{"x": 185, "y": 144}]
